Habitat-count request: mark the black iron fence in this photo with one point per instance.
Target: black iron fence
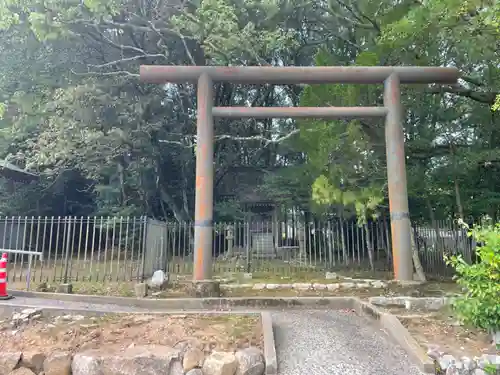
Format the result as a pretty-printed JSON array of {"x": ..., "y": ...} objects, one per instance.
[{"x": 132, "y": 248}]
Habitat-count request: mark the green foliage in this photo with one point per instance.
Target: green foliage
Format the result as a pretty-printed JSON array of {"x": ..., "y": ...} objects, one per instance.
[
  {"x": 340, "y": 152},
  {"x": 464, "y": 21},
  {"x": 496, "y": 105},
  {"x": 480, "y": 306},
  {"x": 364, "y": 200},
  {"x": 231, "y": 32}
]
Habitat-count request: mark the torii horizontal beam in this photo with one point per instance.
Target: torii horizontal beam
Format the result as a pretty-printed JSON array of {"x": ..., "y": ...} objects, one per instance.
[{"x": 293, "y": 75}]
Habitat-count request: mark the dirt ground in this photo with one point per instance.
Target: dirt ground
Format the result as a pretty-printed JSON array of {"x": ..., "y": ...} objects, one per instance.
[
  {"x": 206, "y": 332},
  {"x": 442, "y": 329}
]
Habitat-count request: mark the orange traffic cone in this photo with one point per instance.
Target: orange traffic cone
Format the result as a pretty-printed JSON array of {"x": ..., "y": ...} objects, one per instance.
[{"x": 3, "y": 278}]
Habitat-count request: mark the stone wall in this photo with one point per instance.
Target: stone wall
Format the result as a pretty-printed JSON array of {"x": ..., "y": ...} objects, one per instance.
[{"x": 137, "y": 360}]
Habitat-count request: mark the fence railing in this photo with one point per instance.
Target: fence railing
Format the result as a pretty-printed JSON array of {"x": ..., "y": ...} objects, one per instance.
[
  {"x": 132, "y": 248},
  {"x": 75, "y": 248}
]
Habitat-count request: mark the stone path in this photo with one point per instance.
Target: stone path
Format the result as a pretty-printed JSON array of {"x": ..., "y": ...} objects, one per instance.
[{"x": 308, "y": 341}]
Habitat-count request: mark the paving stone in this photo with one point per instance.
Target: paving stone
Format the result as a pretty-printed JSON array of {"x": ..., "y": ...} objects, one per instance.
[
  {"x": 318, "y": 286},
  {"x": 259, "y": 287}
]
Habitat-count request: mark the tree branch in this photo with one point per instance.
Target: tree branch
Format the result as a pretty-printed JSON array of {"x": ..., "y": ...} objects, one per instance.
[
  {"x": 158, "y": 31},
  {"x": 354, "y": 22},
  {"x": 266, "y": 141},
  {"x": 127, "y": 59},
  {"x": 481, "y": 97},
  {"x": 117, "y": 73}
]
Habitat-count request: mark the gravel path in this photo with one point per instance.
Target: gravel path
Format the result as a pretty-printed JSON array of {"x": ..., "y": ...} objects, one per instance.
[{"x": 333, "y": 342}]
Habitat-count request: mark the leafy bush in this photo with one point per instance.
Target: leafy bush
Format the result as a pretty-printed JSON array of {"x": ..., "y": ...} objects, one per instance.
[{"x": 480, "y": 305}]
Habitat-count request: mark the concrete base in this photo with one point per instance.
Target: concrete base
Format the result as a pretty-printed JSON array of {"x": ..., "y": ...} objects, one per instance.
[
  {"x": 270, "y": 355},
  {"x": 331, "y": 276},
  {"x": 42, "y": 287},
  {"x": 409, "y": 282},
  {"x": 8, "y": 296},
  {"x": 204, "y": 289},
  {"x": 65, "y": 288},
  {"x": 141, "y": 290}
]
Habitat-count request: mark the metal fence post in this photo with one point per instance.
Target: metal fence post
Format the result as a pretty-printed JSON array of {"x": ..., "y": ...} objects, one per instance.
[
  {"x": 68, "y": 245},
  {"x": 145, "y": 229},
  {"x": 28, "y": 277}
]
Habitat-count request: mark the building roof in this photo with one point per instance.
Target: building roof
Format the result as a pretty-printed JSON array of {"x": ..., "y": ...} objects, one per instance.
[{"x": 12, "y": 172}]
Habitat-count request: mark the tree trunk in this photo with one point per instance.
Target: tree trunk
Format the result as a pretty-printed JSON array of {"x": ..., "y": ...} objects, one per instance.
[
  {"x": 416, "y": 260},
  {"x": 435, "y": 225},
  {"x": 179, "y": 214},
  {"x": 121, "y": 176},
  {"x": 387, "y": 241},
  {"x": 369, "y": 246},
  {"x": 458, "y": 200},
  {"x": 342, "y": 234}
]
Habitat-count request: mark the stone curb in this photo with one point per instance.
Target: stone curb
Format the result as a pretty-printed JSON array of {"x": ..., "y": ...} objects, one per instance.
[
  {"x": 398, "y": 334},
  {"x": 52, "y": 311},
  {"x": 270, "y": 356},
  {"x": 410, "y": 303},
  {"x": 193, "y": 303},
  {"x": 332, "y": 286}
]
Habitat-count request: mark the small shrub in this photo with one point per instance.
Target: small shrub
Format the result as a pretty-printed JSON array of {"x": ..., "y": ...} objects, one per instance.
[{"x": 480, "y": 305}]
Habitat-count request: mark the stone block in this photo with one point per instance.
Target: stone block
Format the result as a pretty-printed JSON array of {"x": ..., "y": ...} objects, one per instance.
[
  {"x": 347, "y": 285},
  {"x": 159, "y": 280},
  {"x": 250, "y": 362},
  {"x": 66, "y": 288},
  {"x": 141, "y": 290},
  {"x": 302, "y": 286},
  {"x": 22, "y": 371},
  {"x": 137, "y": 360},
  {"x": 8, "y": 361},
  {"x": 363, "y": 285},
  {"x": 57, "y": 363},
  {"x": 379, "y": 284},
  {"x": 331, "y": 276},
  {"x": 332, "y": 287},
  {"x": 318, "y": 286},
  {"x": 193, "y": 358},
  {"x": 259, "y": 287},
  {"x": 204, "y": 289},
  {"x": 33, "y": 360},
  {"x": 220, "y": 363}
]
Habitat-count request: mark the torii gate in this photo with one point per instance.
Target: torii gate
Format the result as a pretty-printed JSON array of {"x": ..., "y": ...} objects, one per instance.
[{"x": 392, "y": 77}]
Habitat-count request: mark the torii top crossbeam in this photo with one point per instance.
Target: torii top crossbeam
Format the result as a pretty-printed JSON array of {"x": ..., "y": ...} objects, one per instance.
[{"x": 291, "y": 75}]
